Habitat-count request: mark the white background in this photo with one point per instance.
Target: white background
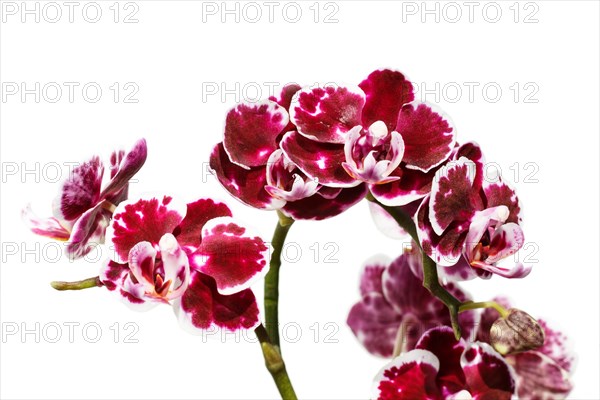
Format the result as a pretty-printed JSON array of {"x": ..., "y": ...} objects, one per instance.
[{"x": 174, "y": 53}]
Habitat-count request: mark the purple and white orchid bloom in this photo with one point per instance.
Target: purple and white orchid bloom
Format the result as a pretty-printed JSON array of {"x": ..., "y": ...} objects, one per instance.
[
  {"x": 396, "y": 309},
  {"x": 82, "y": 210},
  {"x": 441, "y": 367},
  {"x": 466, "y": 216},
  {"x": 250, "y": 164},
  {"x": 374, "y": 133},
  {"x": 194, "y": 256},
  {"x": 543, "y": 373}
]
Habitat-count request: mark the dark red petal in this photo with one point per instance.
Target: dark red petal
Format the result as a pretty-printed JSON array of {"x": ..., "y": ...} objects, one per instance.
[
  {"x": 412, "y": 376},
  {"x": 386, "y": 92},
  {"x": 251, "y": 132},
  {"x": 327, "y": 114},
  {"x": 198, "y": 213},
  {"x": 500, "y": 194},
  {"x": 487, "y": 374},
  {"x": 286, "y": 95},
  {"x": 375, "y": 324},
  {"x": 472, "y": 151},
  {"x": 322, "y": 161},
  {"x": 80, "y": 191},
  {"x": 203, "y": 307},
  {"x": 428, "y": 135},
  {"x": 145, "y": 220},
  {"x": 247, "y": 185},
  {"x": 412, "y": 185},
  {"x": 442, "y": 343},
  {"x": 557, "y": 347},
  {"x": 230, "y": 255},
  {"x": 317, "y": 207},
  {"x": 446, "y": 249},
  {"x": 128, "y": 167},
  {"x": 112, "y": 274},
  {"x": 453, "y": 198}
]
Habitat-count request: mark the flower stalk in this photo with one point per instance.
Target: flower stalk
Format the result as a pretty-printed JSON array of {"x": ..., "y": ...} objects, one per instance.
[
  {"x": 77, "y": 285},
  {"x": 275, "y": 365},
  {"x": 272, "y": 279}
]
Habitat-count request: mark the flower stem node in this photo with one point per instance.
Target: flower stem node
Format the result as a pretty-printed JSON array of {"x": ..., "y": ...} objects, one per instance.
[{"x": 516, "y": 332}]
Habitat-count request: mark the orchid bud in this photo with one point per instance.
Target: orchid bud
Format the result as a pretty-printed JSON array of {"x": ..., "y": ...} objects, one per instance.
[{"x": 516, "y": 332}]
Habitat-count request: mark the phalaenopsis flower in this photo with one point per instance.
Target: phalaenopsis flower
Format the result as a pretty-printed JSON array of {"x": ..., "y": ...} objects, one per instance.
[
  {"x": 441, "y": 367},
  {"x": 542, "y": 373},
  {"x": 194, "y": 256},
  {"x": 467, "y": 220},
  {"x": 82, "y": 209},
  {"x": 374, "y": 133},
  {"x": 250, "y": 164},
  {"x": 396, "y": 309}
]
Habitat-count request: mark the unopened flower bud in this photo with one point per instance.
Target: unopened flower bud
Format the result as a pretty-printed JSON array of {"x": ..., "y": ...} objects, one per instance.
[{"x": 516, "y": 332}]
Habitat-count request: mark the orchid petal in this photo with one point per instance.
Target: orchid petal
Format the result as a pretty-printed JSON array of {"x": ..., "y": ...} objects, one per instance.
[
  {"x": 251, "y": 132},
  {"x": 540, "y": 377},
  {"x": 247, "y": 185},
  {"x": 386, "y": 92},
  {"x": 88, "y": 232},
  {"x": 327, "y": 114},
  {"x": 428, "y": 134},
  {"x": 411, "y": 185},
  {"x": 321, "y": 161},
  {"x": 128, "y": 167},
  {"x": 487, "y": 375},
  {"x": 144, "y": 220},
  {"x": 203, "y": 308},
  {"x": 318, "y": 207},
  {"x": 176, "y": 266},
  {"x": 48, "y": 227},
  {"x": 232, "y": 256},
  {"x": 189, "y": 232}
]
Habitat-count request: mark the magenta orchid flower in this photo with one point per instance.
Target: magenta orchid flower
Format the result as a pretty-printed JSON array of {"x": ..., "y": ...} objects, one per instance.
[
  {"x": 542, "y": 373},
  {"x": 82, "y": 209},
  {"x": 194, "y": 257},
  {"x": 441, "y": 367},
  {"x": 250, "y": 164},
  {"x": 468, "y": 217},
  {"x": 374, "y": 133},
  {"x": 395, "y": 306}
]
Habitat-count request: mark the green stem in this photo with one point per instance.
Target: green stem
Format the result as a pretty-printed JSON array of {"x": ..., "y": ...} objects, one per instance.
[
  {"x": 471, "y": 305},
  {"x": 272, "y": 279},
  {"x": 275, "y": 365},
  {"x": 430, "y": 276},
  {"x": 77, "y": 285}
]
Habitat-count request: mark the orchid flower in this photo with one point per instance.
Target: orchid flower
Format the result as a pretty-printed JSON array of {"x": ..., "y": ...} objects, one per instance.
[
  {"x": 82, "y": 209},
  {"x": 468, "y": 217},
  {"x": 194, "y": 257},
  {"x": 441, "y": 367},
  {"x": 374, "y": 133},
  {"x": 396, "y": 309},
  {"x": 250, "y": 164}
]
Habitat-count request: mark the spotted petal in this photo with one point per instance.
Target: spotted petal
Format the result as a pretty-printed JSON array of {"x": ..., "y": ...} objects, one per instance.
[
  {"x": 233, "y": 257},
  {"x": 203, "y": 308},
  {"x": 452, "y": 195},
  {"x": 412, "y": 185},
  {"x": 189, "y": 232},
  {"x": 386, "y": 92},
  {"x": 327, "y": 114},
  {"x": 412, "y": 376},
  {"x": 322, "y": 206},
  {"x": 428, "y": 134},
  {"x": 79, "y": 192},
  {"x": 500, "y": 193},
  {"x": 144, "y": 220},
  {"x": 487, "y": 375},
  {"x": 247, "y": 185},
  {"x": 251, "y": 132},
  {"x": 321, "y": 161}
]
